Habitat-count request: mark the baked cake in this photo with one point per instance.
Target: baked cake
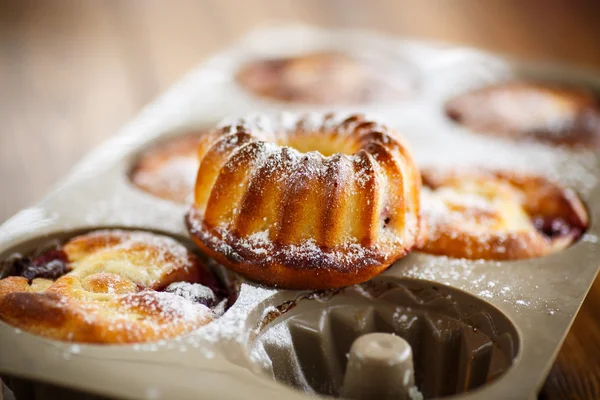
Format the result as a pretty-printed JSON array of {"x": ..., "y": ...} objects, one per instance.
[
  {"x": 316, "y": 78},
  {"x": 529, "y": 110},
  {"x": 168, "y": 169},
  {"x": 311, "y": 202},
  {"x": 110, "y": 286},
  {"x": 498, "y": 215}
]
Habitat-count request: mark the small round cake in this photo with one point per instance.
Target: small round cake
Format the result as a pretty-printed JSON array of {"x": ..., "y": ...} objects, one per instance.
[
  {"x": 322, "y": 78},
  {"x": 306, "y": 202},
  {"x": 545, "y": 112},
  {"x": 498, "y": 215},
  {"x": 110, "y": 286},
  {"x": 168, "y": 169}
]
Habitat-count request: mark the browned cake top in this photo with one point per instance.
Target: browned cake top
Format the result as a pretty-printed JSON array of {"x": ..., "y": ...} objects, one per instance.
[
  {"x": 529, "y": 110},
  {"x": 306, "y": 192},
  {"x": 497, "y": 215},
  {"x": 168, "y": 169},
  {"x": 110, "y": 286},
  {"x": 315, "y": 78}
]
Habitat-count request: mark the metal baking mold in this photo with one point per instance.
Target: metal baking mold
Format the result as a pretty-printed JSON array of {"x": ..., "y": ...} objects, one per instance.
[
  {"x": 540, "y": 297},
  {"x": 459, "y": 342}
]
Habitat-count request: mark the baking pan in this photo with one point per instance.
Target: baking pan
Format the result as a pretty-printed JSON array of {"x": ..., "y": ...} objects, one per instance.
[{"x": 477, "y": 329}]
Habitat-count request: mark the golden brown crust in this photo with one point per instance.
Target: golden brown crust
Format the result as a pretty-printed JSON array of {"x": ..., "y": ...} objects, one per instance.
[
  {"x": 529, "y": 110},
  {"x": 168, "y": 170},
  {"x": 305, "y": 220},
  {"x": 498, "y": 215},
  {"x": 66, "y": 312},
  {"x": 295, "y": 267},
  {"x": 110, "y": 295},
  {"x": 315, "y": 78}
]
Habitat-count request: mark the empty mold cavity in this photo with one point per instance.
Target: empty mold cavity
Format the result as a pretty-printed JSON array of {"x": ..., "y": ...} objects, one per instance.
[
  {"x": 458, "y": 341},
  {"x": 112, "y": 267}
]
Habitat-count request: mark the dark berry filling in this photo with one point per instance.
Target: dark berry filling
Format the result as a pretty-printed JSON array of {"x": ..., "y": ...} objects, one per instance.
[
  {"x": 552, "y": 227},
  {"x": 209, "y": 279},
  {"x": 194, "y": 292},
  {"x": 51, "y": 265}
]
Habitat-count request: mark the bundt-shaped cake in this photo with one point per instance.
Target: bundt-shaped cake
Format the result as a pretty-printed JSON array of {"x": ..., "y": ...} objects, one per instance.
[
  {"x": 551, "y": 113},
  {"x": 309, "y": 202},
  {"x": 110, "y": 286},
  {"x": 481, "y": 214}
]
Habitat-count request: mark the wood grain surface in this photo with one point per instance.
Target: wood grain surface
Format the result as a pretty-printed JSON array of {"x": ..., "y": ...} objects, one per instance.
[{"x": 72, "y": 72}]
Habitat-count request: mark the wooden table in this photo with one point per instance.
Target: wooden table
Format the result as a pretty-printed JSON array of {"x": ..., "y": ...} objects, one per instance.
[{"x": 72, "y": 72}]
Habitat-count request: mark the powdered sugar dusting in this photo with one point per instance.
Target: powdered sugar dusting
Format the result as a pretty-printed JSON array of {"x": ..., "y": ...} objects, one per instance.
[
  {"x": 168, "y": 306},
  {"x": 258, "y": 243},
  {"x": 267, "y": 162},
  {"x": 306, "y": 253},
  {"x": 165, "y": 251},
  {"x": 168, "y": 170},
  {"x": 175, "y": 178},
  {"x": 110, "y": 293},
  {"x": 444, "y": 146},
  {"x": 491, "y": 280},
  {"x": 193, "y": 292},
  {"x": 286, "y": 127}
]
